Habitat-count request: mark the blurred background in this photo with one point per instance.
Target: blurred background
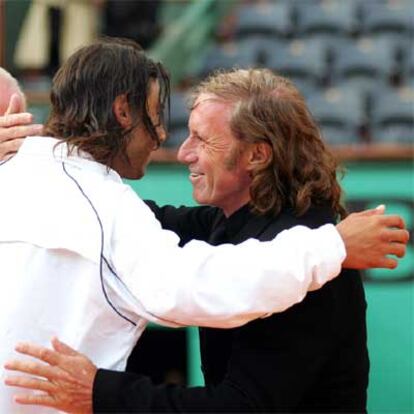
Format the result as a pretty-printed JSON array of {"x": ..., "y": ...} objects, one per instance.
[{"x": 353, "y": 60}]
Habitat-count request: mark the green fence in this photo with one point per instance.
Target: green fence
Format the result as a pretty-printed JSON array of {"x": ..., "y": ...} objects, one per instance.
[{"x": 390, "y": 294}]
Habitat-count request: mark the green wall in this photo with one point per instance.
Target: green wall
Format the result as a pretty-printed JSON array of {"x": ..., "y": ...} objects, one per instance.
[{"x": 390, "y": 294}]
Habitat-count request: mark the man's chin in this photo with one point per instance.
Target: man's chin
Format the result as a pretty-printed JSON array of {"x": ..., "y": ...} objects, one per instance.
[
  {"x": 136, "y": 175},
  {"x": 199, "y": 199},
  {"x": 139, "y": 175}
]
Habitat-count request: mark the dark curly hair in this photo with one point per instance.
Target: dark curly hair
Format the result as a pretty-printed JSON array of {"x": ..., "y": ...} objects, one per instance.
[
  {"x": 84, "y": 90},
  {"x": 268, "y": 108}
]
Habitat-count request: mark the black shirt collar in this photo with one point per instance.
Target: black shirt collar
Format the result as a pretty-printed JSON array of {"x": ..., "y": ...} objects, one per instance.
[
  {"x": 233, "y": 224},
  {"x": 237, "y": 220}
]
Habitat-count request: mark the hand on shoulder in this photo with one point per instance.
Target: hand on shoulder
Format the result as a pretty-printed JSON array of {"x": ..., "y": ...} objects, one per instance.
[
  {"x": 14, "y": 127},
  {"x": 370, "y": 237}
]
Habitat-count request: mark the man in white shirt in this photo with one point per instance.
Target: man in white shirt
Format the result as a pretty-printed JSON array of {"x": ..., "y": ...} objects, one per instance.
[{"x": 103, "y": 293}]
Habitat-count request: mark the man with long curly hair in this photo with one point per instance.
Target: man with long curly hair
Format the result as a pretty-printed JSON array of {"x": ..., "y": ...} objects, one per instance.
[
  {"x": 255, "y": 152},
  {"x": 256, "y": 155}
]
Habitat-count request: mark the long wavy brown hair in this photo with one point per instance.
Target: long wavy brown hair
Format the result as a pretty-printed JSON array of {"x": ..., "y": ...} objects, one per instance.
[
  {"x": 84, "y": 90},
  {"x": 301, "y": 171}
]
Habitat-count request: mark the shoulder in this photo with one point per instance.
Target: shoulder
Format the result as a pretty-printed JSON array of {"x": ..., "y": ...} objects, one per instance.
[
  {"x": 188, "y": 222},
  {"x": 315, "y": 217}
]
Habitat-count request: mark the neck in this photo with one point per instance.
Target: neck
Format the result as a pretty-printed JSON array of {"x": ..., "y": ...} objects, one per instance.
[{"x": 231, "y": 209}]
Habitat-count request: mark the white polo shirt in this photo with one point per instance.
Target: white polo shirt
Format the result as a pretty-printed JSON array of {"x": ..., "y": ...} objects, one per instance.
[{"x": 82, "y": 257}]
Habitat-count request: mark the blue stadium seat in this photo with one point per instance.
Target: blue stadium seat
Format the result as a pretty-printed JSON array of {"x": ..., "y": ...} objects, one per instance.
[
  {"x": 366, "y": 62},
  {"x": 229, "y": 55},
  {"x": 392, "y": 116},
  {"x": 304, "y": 62},
  {"x": 340, "y": 112},
  {"x": 330, "y": 17},
  {"x": 389, "y": 17},
  {"x": 262, "y": 48},
  {"x": 272, "y": 19}
]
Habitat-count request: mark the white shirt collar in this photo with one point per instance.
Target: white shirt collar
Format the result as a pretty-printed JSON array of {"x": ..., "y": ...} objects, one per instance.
[{"x": 47, "y": 147}]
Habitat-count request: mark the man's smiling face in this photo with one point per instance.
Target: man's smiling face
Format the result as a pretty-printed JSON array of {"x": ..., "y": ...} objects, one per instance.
[{"x": 215, "y": 158}]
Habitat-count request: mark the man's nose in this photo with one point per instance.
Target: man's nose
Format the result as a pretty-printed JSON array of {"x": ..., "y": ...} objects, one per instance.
[{"x": 186, "y": 152}]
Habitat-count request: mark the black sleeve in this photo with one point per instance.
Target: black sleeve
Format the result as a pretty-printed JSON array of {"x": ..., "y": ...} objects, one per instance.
[
  {"x": 276, "y": 364},
  {"x": 188, "y": 222},
  {"x": 270, "y": 368},
  {"x": 122, "y": 392}
]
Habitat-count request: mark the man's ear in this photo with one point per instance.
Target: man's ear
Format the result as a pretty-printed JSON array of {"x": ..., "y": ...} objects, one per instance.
[
  {"x": 260, "y": 154},
  {"x": 122, "y": 111}
]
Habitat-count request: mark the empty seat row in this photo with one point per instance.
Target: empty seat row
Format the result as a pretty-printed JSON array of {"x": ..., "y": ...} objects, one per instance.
[
  {"x": 332, "y": 17},
  {"x": 346, "y": 115},
  {"x": 347, "y": 57},
  {"x": 387, "y": 115},
  {"x": 317, "y": 61}
]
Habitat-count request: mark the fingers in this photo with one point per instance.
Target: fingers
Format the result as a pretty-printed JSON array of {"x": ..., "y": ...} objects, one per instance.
[
  {"x": 4, "y": 158},
  {"x": 63, "y": 348},
  {"x": 59, "y": 367},
  {"x": 23, "y": 118},
  {"x": 392, "y": 221},
  {"x": 20, "y": 131},
  {"x": 31, "y": 399},
  {"x": 380, "y": 209},
  {"x": 395, "y": 235},
  {"x": 39, "y": 352},
  {"x": 13, "y": 129},
  {"x": 387, "y": 263},
  {"x": 382, "y": 259},
  {"x": 40, "y": 370},
  {"x": 30, "y": 383},
  {"x": 15, "y": 104},
  {"x": 397, "y": 249},
  {"x": 9, "y": 148}
]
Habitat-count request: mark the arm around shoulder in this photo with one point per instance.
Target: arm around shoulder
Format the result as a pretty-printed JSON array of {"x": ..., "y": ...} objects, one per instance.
[{"x": 221, "y": 286}]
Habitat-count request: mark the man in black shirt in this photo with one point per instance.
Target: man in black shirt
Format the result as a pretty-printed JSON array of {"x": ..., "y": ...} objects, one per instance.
[{"x": 254, "y": 152}]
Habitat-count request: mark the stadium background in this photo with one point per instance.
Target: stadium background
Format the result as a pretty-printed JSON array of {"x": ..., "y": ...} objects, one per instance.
[{"x": 352, "y": 59}]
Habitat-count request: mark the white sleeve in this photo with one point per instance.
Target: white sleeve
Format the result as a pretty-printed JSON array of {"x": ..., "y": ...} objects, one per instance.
[{"x": 221, "y": 286}]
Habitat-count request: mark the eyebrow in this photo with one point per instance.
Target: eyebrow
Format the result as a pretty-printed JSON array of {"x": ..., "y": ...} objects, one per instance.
[{"x": 197, "y": 102}]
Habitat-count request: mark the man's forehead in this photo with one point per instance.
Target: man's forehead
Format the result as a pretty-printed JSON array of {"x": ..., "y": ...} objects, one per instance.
[
  {"x": 208, "y": 105},
  {"x": 210, "y": 117},
  {"x": 208, "y": 99}
]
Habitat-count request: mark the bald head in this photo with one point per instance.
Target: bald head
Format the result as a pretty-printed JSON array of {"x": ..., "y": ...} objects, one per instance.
[{"x": 9, "y": 87}]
